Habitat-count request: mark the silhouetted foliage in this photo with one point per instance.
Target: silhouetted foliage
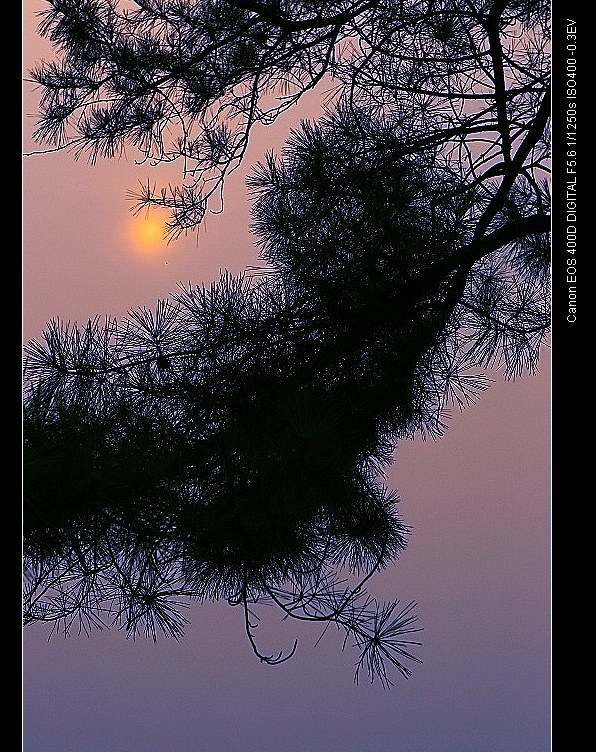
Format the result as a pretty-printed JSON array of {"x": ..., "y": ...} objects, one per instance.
[
  {"x": 187, "y": 80},
  {"x": 232, "y": 442}
]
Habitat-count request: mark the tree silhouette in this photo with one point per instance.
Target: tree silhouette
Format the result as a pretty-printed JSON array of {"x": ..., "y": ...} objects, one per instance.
[
  {"x": 232, "y": 442},
  {"x": 464, "y": 78}
]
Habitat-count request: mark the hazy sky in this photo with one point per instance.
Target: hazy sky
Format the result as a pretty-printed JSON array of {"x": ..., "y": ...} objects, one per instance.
[{"x": 478, "y": 502}]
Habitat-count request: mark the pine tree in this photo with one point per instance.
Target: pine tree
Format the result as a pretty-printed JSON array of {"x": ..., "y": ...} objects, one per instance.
[{"x": 232, "y": 442}]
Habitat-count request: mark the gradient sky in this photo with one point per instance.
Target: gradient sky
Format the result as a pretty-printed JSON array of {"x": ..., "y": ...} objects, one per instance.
[{"x": 478, "y": 564}]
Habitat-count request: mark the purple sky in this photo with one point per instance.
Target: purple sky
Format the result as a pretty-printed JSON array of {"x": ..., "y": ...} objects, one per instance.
[{"x": 478, "y": 502}]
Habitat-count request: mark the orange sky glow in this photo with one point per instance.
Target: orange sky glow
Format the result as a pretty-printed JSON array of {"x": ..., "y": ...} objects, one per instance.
[{"x": 146, "y": 233}]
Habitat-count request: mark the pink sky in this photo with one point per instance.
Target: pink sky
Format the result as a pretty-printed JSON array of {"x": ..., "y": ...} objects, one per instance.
[{"x": 79, "y": 261}]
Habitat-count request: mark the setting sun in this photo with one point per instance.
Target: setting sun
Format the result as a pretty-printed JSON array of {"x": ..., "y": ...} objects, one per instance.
[{"x": 146, "y": 233}]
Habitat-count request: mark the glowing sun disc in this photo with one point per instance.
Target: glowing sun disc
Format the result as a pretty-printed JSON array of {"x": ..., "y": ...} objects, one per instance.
[{"x": 146, "y": 233}]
